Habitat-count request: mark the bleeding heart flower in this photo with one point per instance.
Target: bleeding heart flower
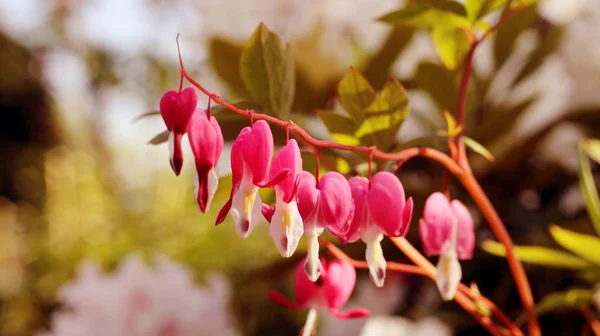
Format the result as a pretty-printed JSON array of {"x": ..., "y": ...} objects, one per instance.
[
  {"x": 379, "y": 210},
  {"x": 447, "y": 230},
  {"x": 251, "y": 155},
  {"x": 328, "y": 205},
  {"x": 331, "y": 291},
  {"x": 206, "y": 141},
  {"x": 176, "y": 109},
  {"x": 286, "y": 223}
]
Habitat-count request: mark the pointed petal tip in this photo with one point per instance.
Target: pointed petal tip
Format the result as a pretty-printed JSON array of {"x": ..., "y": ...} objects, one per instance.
[
  {"x": 281, "y": 300},
  {"x": 350, "y": 314}
]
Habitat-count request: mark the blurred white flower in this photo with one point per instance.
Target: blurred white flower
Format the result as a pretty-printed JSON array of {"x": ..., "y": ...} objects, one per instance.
[
  {"x": 399, "y": 326},
  {"x": 561, "y": 11},
  {"x": 137, "y": 300}
]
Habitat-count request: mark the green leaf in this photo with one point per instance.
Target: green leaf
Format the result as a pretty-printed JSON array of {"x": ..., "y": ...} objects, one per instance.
[
  {"x": 451, "y": 44},
  {"x": 447, "y": 5},
  {"x": 592, "y": 148},
  {"x": 585, "y": 246},
  {"x": 425, "y": 17},
  {"x": 439, "y": 84},
  {"x": 355, "y": 94},
  {"x": 479, "y": 148},
  {"x": 224, "y": 58},
  {"x": 385, "y": 115},
  {"x": 267, "y": 69},
  {"x": 159, "y": 138},
  {"x": 343, "y": 167},
  {"x": 145, "y": 115},
  {"x": 537, "y": 255},
  {"x": 588, "y": 187},
  {"x": 479, "y": 8},
  {"x": 345, "y": 139},
  {"x": 453, "y": 129},
  {"x": 336, "y": 123},
  {"x": 573, "y": 298}
]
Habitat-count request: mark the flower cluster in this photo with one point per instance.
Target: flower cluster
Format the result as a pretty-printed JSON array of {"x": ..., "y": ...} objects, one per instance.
[
  {"x": 139, "y": 301},
  {"x": 359, "y": 208}
]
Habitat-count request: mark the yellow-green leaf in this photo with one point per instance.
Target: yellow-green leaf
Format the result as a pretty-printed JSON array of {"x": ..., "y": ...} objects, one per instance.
[
  {"x": 345, "y": 139},
  {"x": 355, "y": 94},
  {"x": 423, "y": 16},
  {"x": 159, "y": 138},
  {"x": 336, "y": 123},
  {"x": 479, "y": 8},
  {"x": 224, "y": 57},
  {"x": 342, "y": 166},
  {"x": 585, "y": 246},
  {"x": 573, "y": 298},
  {"x": 479, "y": 148},
  {"x": 453, "y": 129},
  {"x": 267, "y": 69},
  {"x": 588, "y": 187},
  {"x": 538, "y": 255},
  {"x": 592, "y": 148},
  {"x": 451, "y": 44}
]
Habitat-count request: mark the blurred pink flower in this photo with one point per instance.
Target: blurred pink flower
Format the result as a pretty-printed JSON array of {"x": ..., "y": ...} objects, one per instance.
[{"x": 139, "y": 301}]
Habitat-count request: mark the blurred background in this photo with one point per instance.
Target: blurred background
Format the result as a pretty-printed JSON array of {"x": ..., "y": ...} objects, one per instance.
[{"x": 79, "y": 181}]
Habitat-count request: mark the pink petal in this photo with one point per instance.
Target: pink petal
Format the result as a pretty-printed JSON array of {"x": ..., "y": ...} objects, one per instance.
[
  {"x": 436, "y": 225},
  {"x": 339, "y": 283},
  {"x": 386, "y": 203},
  {"x": 282, "y": 300},
  {"x": 282, "y": 174},
  {"x": 305, "y": 290},
  {"x": 350, "y": 314},
  {"x": 206, "y": 141},
  {"x": 258, "y": 150},
  {"x": 308, "y": 196},
  {"x": 466, "y": 232},
  {"x": 177, "y": 108},
  {"x": 356, "y": 223},
  {"x": 237, "y": 172},
  {"x": 335, "y": 202},
  {"x": 176, "y": 159},
  {"x": 287, "y": 158},
  {"x": 267, "y": 212}
]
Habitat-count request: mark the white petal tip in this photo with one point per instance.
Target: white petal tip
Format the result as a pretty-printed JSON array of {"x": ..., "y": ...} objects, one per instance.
[
  {"x": 376, "y": 262},
  {"x": 449, "y": 273}
]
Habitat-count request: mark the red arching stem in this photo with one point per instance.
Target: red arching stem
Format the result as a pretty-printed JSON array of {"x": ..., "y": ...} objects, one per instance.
[
  {"x": 479, "y": 196},
  {"x": 370, "y": 172},
  {"x": 208, "y": 114}
]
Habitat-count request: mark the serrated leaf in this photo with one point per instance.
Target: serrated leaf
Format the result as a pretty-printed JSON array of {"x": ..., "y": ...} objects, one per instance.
[
  {"x": 585, "y": 246},
  {"x": 538, "y": 255},
  {"x": 451, "y": 44},
  {"x": 345, "y": 139},
  {"x": 159, "y": 138},
  {"x": 336, "y": 123},
  {"x": 479, "y": 148},
  {"x": 267, "y": 69},
  {"x": 355, "y": 94},
  {"x": 592, "y": 148},
  {"x": 424, "y": 17},
  {"x": 573, "y": 298},
  {"x": 145, "y": 115},
  {"x": 224, "y": 58},
  {"x": 385, "y": 115},
  {"x": 588, "y": 188}
]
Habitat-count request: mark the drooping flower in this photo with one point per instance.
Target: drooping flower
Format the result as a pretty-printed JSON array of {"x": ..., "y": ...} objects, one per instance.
[
  {"x": 176, "y": 109},
  {"x": 206, "y": 140},
  {"x": 137, "y": 300},
  {"x": 286, "y": 223},
  {"x": 331, "y": 291},
  {"x": 251, "y": 155},
  {"x": 447, "y": 230},
  {"x": 326, "y": 206},
  {"x": 379, "y": 210}
]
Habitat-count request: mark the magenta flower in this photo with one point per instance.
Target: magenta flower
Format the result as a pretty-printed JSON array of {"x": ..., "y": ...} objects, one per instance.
[
  {"x": 251, "y": 155},
  {"x": 286, "y": 223},
  {"x": 447, "y": 230},
  {"x": 379, "y": 210},
  {"x": 331, "y": 291},
  {"x": 206, "y": 141},
  {"x": 176, "y": 109},
  {"x": 327, "y": 206}
]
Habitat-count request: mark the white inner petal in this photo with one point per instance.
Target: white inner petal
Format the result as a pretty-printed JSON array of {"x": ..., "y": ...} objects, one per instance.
[
  {"x": 171, "y": 146},
  {"x": 312, "y": 266},
  {"x": 213, "y": 184},
  {"x": 449, "y": 272},
  {"x": 286, "y": 226},
  {"x": 376, "y": 260},
  {"x": 245, "y": 207}
]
